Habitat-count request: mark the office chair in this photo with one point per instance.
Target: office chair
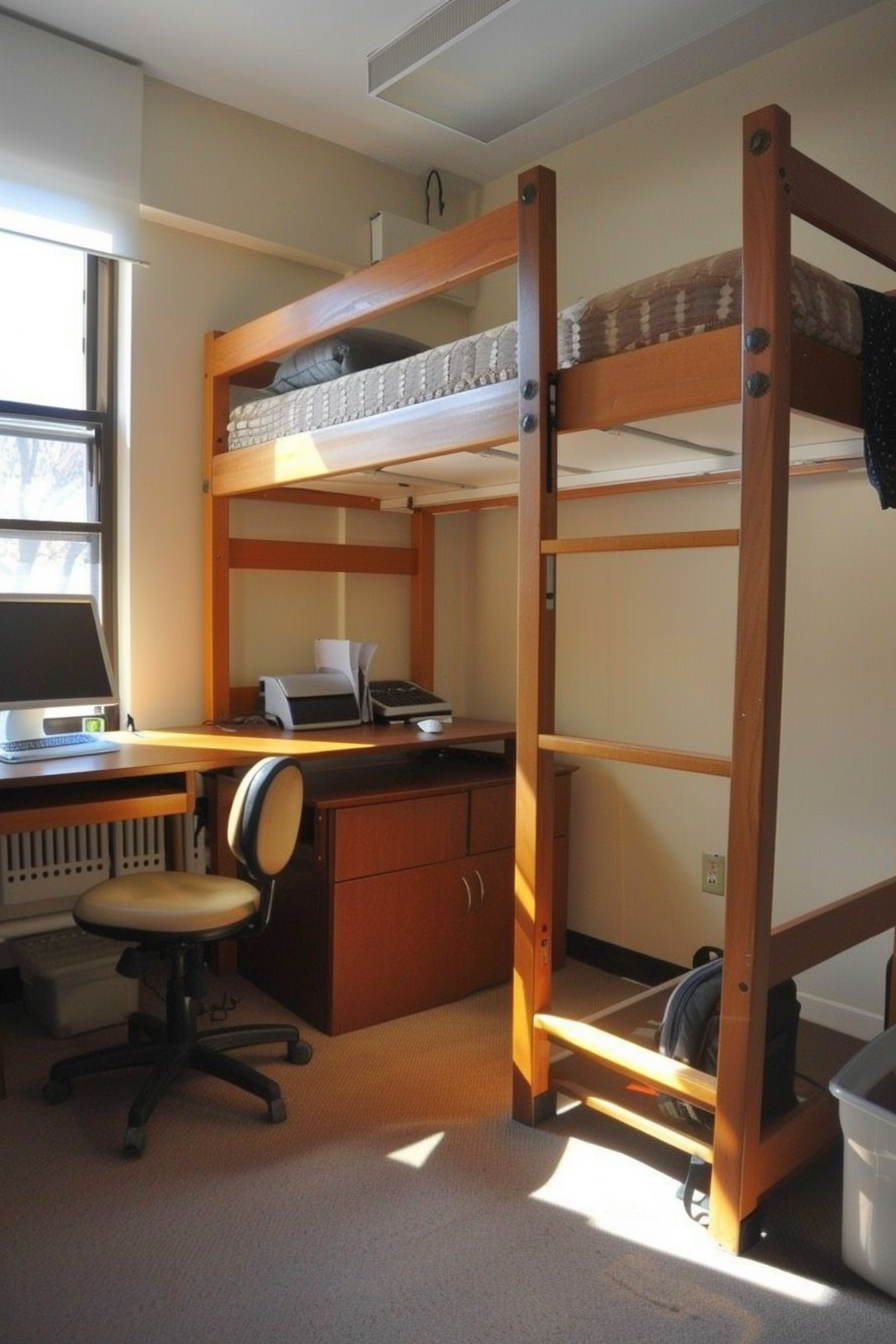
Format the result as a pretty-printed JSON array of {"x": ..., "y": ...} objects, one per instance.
[{"x": 173, "y": 915}]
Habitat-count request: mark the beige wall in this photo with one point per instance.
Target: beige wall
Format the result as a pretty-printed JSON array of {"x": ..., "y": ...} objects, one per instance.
[
  {"x": 645, "y": 646},
  {"x": 215, "y": 174},
  {"x": 205, "y": 161},
  {"x": 646, "y": 642}
]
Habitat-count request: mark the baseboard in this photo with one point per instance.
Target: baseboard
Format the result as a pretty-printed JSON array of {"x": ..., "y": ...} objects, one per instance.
[
  {"x": 855, "y": 1022},
  {"x": 622, "y": 961},
  {"x": 644, "y": 970}
]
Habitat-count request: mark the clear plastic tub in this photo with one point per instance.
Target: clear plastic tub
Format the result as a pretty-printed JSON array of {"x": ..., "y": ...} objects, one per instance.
[
  {"x": 866, "y": 1091},
  {"x": 70, "y": 983}
]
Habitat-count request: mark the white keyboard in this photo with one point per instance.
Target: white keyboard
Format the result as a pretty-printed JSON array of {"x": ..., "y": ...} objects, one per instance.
[{"x": 54, "y": 744}]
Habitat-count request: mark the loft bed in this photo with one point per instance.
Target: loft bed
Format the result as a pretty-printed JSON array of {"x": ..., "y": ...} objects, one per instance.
[{"x": 757, "y": 363}]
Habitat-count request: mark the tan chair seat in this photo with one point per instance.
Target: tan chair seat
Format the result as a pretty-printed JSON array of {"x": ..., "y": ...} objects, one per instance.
[{"x": 168, "y": 902}]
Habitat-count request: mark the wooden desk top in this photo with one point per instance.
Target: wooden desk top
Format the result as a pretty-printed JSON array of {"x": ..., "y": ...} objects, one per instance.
[
  {"x": 134, "y": 757},
  {"x": 206, "y": 747},
  {"x": 263, "y": 739}
]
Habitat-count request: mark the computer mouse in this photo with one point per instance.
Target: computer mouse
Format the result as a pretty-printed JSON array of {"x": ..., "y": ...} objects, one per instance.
[{"x": 429, "y": 725}]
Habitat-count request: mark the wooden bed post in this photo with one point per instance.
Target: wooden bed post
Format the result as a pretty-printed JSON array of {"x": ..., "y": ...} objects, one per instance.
[
  {"x": 423, "y": 598},
  {"x": 759, "y": 667},
  {"x": 215, "y": 547},
  {"x": 537, "y": 305}
]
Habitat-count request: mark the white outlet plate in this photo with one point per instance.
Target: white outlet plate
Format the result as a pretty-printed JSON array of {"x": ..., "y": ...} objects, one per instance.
[{"x": 713, "y": 878}]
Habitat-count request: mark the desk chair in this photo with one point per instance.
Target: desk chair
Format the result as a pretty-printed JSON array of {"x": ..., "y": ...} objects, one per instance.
[{"x": 173, "y": 915}]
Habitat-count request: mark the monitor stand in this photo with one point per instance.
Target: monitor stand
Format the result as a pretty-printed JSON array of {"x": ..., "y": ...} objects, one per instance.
[{"x": 21, "y": 725}]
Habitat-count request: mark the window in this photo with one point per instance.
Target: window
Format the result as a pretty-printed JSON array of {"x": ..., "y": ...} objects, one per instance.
[{"x": 57, "y": 464}]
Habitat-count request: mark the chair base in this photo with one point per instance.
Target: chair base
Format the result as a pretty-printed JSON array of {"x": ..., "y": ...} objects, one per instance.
[{"x": 168, "y": 1047}]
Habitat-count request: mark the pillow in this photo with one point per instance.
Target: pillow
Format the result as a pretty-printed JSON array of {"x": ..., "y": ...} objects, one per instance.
[{"x": 347, "y": 352}]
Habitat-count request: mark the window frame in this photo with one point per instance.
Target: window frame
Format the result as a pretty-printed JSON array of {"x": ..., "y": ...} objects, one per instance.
[{"x": 100, "y": 308}]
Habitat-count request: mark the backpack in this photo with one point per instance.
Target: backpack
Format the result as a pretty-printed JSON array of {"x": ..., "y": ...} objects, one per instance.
[{"x": 689, "y": 1032}]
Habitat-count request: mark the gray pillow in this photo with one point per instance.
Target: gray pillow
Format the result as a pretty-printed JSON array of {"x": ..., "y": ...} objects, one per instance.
[{"x": 346, "y": 352}]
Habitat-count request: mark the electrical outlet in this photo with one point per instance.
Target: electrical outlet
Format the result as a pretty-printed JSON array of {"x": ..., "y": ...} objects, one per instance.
[{"x": 713, "y": 874}]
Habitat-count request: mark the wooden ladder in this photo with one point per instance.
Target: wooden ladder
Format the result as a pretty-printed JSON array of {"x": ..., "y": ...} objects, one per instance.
[{"x": 602, "y": 1064}]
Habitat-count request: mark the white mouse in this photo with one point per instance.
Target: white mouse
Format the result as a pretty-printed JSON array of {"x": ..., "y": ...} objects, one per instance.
[{"x": 429, "y": 725}]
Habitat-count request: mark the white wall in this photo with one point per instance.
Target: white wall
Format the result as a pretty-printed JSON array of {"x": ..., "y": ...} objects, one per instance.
[{"x": 645, "y": 642}]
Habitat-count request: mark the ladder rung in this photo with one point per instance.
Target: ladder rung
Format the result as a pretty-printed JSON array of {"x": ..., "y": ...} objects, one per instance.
[
  {"x": 684, "y": 1139},
  {"x": 666, "y": 758},
  {"x": 630, "y": 1058},
  {"x": 645, "y": 541}
]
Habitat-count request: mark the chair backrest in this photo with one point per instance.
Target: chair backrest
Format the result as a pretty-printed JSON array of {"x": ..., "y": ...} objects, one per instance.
[{"x": 265, "y": 816}]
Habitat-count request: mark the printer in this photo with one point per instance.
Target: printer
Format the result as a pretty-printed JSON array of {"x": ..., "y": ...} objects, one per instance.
[{"x": 309, "y": 700}]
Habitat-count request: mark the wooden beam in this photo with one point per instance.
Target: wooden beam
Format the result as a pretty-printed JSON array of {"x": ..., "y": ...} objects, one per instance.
[
  {"x": 323, "y": 557},
  {"x": 652, "y": 541},
  {"x": 666, "y": 758},
  {"x": 533, "y": 933},
  {"x": 455, "y": 258},
  {"x": 814, "y": 937},
  {"x": 480, "y": 418}
]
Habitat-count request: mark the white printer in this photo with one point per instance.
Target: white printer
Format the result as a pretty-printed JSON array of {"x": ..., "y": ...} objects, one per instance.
[{"x": 305, "y": 700}]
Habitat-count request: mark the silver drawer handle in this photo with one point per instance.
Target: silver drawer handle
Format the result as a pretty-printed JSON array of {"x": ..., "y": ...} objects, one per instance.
[{"x": 469, "y": 895}]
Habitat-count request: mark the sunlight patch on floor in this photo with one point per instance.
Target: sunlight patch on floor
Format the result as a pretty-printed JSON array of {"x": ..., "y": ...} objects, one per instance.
[
  {"x": 625, "y": 1198},
  {"x": 418, "y": 1154}
]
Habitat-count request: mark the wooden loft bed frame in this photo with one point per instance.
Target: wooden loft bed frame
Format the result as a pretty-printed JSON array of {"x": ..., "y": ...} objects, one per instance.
[
  {"x": 770, "y": 373},
  {"x": 480, "y": 418},
  {"x": 774, "y": 373}
]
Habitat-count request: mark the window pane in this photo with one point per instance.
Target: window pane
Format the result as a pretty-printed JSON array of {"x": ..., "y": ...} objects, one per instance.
[
  {"x": 42, "y": 323},
  {"x": 49, "y": 479},
  {"x": 49, "y": 562}
]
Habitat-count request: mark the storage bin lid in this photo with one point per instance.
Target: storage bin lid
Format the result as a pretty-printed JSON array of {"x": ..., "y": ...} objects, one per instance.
[{"x": 866, "y": 1076}]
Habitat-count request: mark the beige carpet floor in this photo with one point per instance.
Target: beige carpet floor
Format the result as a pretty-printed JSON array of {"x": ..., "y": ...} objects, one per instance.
[{"x": 399, "y": 1202}]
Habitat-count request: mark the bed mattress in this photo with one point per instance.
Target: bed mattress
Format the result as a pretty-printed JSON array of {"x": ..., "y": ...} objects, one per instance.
[{"x": 697, "y": 297}]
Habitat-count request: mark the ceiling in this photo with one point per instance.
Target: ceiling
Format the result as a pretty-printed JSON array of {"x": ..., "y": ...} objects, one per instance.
[{"x": 305, "y": 65}]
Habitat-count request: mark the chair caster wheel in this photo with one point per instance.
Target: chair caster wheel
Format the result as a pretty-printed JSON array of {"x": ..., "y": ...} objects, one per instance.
[
  {"x": 56, "y": 1090},
  {"x": 277, "y": 1111},
  {"x": 134, "y": 1141},
  {"x": 298, "y": 1052}
]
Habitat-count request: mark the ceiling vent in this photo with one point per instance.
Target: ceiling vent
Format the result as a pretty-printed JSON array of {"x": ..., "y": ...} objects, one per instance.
[
  {"x": 446, "y": 68},
  {"x": 488, "y": 67}
]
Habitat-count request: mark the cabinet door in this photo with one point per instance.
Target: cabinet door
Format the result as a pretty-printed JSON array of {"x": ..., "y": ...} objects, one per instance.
[
  {"x": 395, "y": 944},
  {"x": 485, "y": 945}
]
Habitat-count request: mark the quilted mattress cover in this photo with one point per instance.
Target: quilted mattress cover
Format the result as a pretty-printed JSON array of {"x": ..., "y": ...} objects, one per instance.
[{"x": 698, "y": 297}]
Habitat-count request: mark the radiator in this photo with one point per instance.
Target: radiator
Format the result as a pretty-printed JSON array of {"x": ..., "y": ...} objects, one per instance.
[
  {"x": 53, "y": 865},
  {"x": 43, "y": 871},
  {"x": 138, "y": 846}
]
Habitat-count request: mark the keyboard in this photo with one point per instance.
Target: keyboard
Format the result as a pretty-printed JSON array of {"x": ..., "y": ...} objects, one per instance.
[
  {"x": 54, "y": 744},
  {"x": 393, "y": 700}
]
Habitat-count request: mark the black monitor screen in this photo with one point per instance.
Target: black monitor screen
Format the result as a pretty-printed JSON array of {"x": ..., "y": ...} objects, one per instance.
[{"x": 52, "y": 653}]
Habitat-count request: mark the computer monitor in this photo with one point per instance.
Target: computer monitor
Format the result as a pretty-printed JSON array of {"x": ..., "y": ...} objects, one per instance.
[{"x": 52, "y": 655}]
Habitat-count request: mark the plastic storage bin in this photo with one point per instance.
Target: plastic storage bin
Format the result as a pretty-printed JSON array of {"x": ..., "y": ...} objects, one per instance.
[
  {"x": 69, "y": 981},
  {"x": 866, "y": 1090}
]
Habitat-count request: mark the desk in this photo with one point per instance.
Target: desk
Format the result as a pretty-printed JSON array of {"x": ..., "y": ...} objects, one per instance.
[
  {"x": 153, "y": 772},
  {"x": 140, "y": 779}
]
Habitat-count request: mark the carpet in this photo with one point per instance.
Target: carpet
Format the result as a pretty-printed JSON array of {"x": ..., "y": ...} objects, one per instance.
[{"x": 398, "y": 1204}]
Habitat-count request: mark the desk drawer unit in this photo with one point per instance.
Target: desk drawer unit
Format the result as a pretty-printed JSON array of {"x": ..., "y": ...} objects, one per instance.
[{"x": 398, "y": 898}]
